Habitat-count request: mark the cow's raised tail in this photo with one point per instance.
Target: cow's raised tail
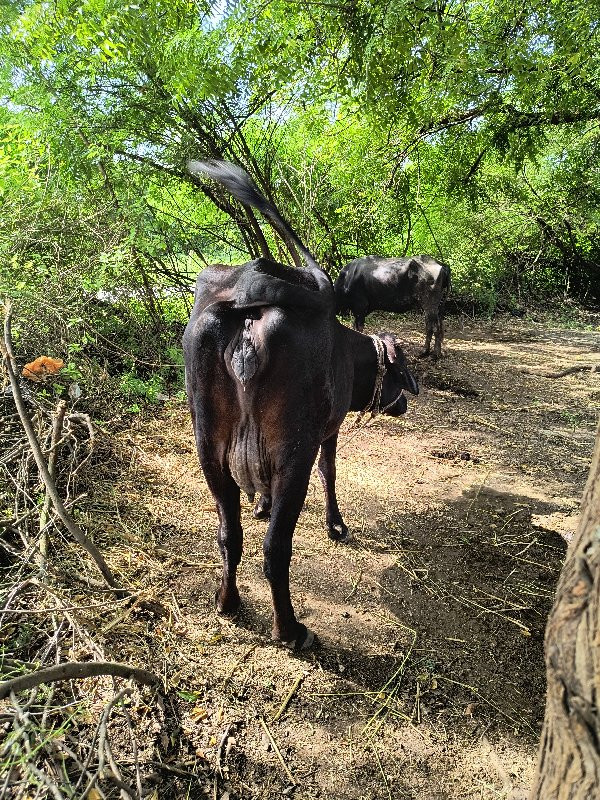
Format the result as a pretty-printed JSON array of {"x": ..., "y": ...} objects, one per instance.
[{"x": 242, "y": 187}]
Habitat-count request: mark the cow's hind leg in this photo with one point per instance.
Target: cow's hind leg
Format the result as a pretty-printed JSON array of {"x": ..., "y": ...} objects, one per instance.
[
  {"x": 336, "y": 527},
  {"x": 439, "y": 328},
  {"x": 229, "y": 537},
  {"x": 288, "y": 497},
  {"x": 439, "y": 338},
  {"x": 430, "y": 325}
]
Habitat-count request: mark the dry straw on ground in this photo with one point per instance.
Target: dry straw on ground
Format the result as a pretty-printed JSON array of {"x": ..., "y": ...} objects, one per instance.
[{"x": 428, "y": 682}]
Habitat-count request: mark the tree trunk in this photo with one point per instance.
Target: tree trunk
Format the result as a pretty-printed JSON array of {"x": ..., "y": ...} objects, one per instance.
[{"x": 569, "y": 754}]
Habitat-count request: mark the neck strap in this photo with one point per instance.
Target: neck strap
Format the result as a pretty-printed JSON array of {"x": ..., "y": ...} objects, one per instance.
[{"x": 375, "y": 405}]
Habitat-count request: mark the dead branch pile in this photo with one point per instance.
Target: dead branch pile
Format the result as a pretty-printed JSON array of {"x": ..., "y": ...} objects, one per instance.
[{"x": 72, "y": 722}]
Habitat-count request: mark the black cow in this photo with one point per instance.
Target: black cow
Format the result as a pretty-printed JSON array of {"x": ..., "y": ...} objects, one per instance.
[
  {"x": 396, "y": 284},
  {"x": 270, "y": 376}
]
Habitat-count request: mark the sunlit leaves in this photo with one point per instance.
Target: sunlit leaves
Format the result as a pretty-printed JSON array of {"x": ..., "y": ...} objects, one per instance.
[{"x": 379, "y": 125}]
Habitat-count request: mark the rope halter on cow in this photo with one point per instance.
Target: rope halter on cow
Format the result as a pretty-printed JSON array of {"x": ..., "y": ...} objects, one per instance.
[{"x": 375, "y": 405}]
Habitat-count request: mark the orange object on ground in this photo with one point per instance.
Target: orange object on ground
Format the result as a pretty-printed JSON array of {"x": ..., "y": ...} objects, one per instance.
[{"x": 42, "y": 367}]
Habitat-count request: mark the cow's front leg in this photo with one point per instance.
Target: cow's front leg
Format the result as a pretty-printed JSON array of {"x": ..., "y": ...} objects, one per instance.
[
  {"x": 229, "y": 537},
  {"x": 359, "y": 323},
  {"x": 336, "y": 527},
  {"x": 262, "y": 510},
  {"x": 360, "y": 309},
  {"x": 288, "y": 498}
]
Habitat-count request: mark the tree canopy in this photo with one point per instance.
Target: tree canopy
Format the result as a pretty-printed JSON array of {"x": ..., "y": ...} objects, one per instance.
[{"x": 466, "y": 130}]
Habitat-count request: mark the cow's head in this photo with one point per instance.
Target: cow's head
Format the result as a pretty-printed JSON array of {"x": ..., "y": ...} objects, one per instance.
[
  {"x": 342, "y": 306},
  {"x": 397, "y": 378}
]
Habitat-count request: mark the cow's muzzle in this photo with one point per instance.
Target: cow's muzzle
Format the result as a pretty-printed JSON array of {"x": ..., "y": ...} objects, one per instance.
[{"x": 397, "y": 406}]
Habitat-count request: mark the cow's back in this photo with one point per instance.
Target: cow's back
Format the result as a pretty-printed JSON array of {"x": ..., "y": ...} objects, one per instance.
[
  {"x": 391, "y": 284},
  {"x": 385, "y": 284}
]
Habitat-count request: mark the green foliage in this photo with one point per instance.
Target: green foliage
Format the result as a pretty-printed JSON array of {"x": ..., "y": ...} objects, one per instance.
[{"x": 134, "y": 387}]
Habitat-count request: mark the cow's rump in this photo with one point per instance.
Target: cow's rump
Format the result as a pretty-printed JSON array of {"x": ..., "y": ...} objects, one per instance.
[{"x": 261, "y": 349}]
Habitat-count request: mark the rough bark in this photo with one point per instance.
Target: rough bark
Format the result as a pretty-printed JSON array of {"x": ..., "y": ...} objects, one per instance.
[{"x": 569, "y": 754}]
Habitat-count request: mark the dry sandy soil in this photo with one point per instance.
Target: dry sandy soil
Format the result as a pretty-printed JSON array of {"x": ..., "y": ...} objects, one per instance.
[{"x": 428, "y": 679}]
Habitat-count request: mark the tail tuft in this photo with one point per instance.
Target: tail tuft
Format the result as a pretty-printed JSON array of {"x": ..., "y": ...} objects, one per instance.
[
  {"x": 234, "y": 179},
  {"x": 243, "y": 188}
]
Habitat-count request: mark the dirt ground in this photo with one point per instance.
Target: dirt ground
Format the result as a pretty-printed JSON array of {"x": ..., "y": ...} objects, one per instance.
[{"x": 428, "y": 681}]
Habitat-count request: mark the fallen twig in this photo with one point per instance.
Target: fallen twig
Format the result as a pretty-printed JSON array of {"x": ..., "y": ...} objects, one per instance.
[
  {"x": 59, "y": 416},
  {"x": 476, "y": 495},
  {"x": 77, "y": 607},
  {"x": 123, "y": 615},
  {"x": 383, "y": 775},
  {"x": 278, "y": 752},
  {"x": 76, "y": 669},
  {"x": 354, "y": 585},
  {"x": 563, "y": 372},
  {"x": 220, "y": 748},
  {"x": 240, "y": 660},
  {"x": 513, "y": 720},
  {"x": 116, "y": 776},
  {"x": 290, "y": 694},
  {"x": 218, "y": 771},
  {"x": 15, "y": 663},
  {"x": 101, "y": 733},
  {"x": 16, "y": 521},
  {"x": 162, "y": 551},
  {"x": 134, "y": 748},
  {"x": 175, "y": 770}
]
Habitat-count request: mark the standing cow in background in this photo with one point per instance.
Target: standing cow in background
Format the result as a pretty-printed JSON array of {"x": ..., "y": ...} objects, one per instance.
[
  {"x": 270, "y": 376},
  {"x": 372, "y": 283}
]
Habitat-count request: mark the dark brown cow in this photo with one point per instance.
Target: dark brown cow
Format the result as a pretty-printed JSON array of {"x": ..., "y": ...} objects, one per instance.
[
  {"x": 270, "y": 376},
  {"x": 372, "y": 283}
]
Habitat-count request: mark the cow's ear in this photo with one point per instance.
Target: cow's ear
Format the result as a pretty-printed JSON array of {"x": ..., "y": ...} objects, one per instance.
[
  {"x": 411, "y": 381},
  {"x": 390, "y": 354}
]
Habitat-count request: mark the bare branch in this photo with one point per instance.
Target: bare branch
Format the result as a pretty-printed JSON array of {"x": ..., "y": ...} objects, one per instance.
[
  {"x": 561, "y": 373},
  {"x": 76, "y": 669}
]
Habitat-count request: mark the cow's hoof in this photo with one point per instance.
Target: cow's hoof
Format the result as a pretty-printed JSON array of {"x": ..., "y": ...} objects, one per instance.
[
  {"x": 229, "y": 606},
  {"x": 262, "y": 510},
  {"x": 339, "y": 532},
  {"x": 425, "y": 354},
  {"x": 303, "y": 641}
]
